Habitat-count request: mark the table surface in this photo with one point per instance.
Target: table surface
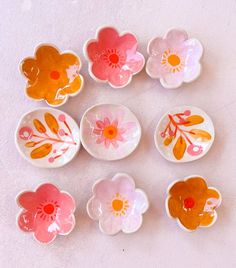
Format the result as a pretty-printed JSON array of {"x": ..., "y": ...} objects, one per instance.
[{"x": 160, "y": 242}]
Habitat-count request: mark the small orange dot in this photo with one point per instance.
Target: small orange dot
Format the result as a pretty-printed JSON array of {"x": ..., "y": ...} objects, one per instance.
[
  {"x": 55, "y": 75},
  {"x": 174, "y": 60}
]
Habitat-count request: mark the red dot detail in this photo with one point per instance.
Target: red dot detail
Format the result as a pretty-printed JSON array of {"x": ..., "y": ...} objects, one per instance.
[
  {"x": 48, "y": 209},
  {"x": 55, "y": 75},
  {"x": 189, "y": 202},
  {"x": 114, "y": 58}
]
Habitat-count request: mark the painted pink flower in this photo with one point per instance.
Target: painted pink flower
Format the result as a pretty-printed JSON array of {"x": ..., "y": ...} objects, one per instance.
[
  {"x": 111, "y": 132},
  {"x": 174, "y": 59},
  {"x": 25, "y": 133},
  {"x": 194, "y": 150},
  {"x": 113, "y": 57},
  {"x": 46, "y": 212},
  {"x": 117, "y": 205}
]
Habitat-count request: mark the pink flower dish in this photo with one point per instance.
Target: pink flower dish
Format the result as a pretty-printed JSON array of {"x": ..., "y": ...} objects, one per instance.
[
  {"x": 47, "y": 137},
  {"x": 174, "y": 59},
  {"x": 109, "y": 131},
  {"x": 46, "y": 212},
  {"x": 117, "y": 205},
  {"x": 184, "y": 134},
  {"x": 113, "y": 58}
]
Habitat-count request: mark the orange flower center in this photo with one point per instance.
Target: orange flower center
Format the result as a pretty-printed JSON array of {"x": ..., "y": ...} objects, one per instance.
[
  {"x": 114, "y": 58},
  {"x": 117, "y": 204},
  {"x": 48, "y": 209},
  {"x": 174, "y": 60},
  {"x": 110, "y": 132},
  {"x": 55, "y": 75},
  {"x": 189, "y": 202}
]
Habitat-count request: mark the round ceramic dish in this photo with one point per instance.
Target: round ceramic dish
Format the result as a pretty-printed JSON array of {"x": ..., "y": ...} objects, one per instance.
[
  {"x": 184, "y": 134},
  {"x": 47, "y": 137},
  {"x": 52, "y": 76},
  {"x": 192, "y": 203},
  {"x": 113, "y": 58},
  {"x": 46, "y": 212},
  {"x": 174, "y": 59},
  {"x": 117, "y": 205},
  {"x": 109, "y": 131}
]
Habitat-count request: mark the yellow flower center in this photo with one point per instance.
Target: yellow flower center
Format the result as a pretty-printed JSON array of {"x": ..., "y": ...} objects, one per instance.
[
  {"x": 110, "y": 132},
  {"x": 174, "y": 60}
]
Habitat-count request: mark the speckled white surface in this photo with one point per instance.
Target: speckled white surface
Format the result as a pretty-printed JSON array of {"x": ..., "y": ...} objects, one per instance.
[{"x": 160, "y": 242}]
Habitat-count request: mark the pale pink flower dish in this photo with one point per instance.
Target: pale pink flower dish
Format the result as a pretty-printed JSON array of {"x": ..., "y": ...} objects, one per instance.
[
  {"x": 174, "y": 59},
  {"x": 109, "y": 131},
  {"x": 117, "y": 205},
  {"x": 46, "y": 212},
  {"x": 113, "y": 57}
]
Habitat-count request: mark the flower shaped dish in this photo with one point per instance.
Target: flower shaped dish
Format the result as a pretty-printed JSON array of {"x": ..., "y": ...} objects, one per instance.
[
  {"x": 110, "y": 131},
  {"x": 52, "y": 76},
  {"x": 192, "y": 203},
  {"x": 117, "y": 205},
  {"x": 174, "y": 59},
  {"x": 47, "y": 137},
  {"x": 184, "y": 134},
  {"x": 46, "y": 212},
  {"x": 113, "y": 58}
]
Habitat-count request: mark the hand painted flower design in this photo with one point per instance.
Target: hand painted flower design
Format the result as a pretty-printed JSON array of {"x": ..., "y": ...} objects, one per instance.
[
  {"x": 52, "y": 76},
  {"x": 46, "y": 212},
  {"x": 114, "y": 58},
  {"x": 193, "y": 203},
  {"x": 43, "y": 141},
  {"x": 111, "y": 132},
  {"x": 174, "y": 59},
  {"x": 117, "y": 205},
  {"x": 177, "y": 130}
]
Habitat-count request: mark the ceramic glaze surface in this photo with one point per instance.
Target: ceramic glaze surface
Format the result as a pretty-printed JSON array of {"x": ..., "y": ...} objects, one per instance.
[
  {"x": 193, "y": 203},
  {"x": 52, "y": 76},
  {"x": 46, "y": 212},
  {"x": 113, "y": 58},
  {"x": 184, "y": 134},
  {"x": 47, "y": 137},
  {"x": 174, "y": 59},
  {"x": 110, "y": 131},
  {"x": 117, "y": 205}
]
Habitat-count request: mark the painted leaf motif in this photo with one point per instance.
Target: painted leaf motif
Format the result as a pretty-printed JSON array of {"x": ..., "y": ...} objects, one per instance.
[
  {"x": 51, "y": 122},
  {"x": 41, "y": 151},
  {"x": 30, "y": 144},
  {"x": 39, "y": 126},
  {"x": 200, "y": 134},
  {"x": 168, "y": 141},
  {"x": 194, "y": 120},
  {"x": 179, "y": 148}
]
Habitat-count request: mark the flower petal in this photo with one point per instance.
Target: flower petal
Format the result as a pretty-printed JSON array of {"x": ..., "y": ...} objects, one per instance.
[
  {"x": 69, "y": 59},
  {"x": 174, "y": 207},
  {"x": 110, "y": 225},
  {"x": 108, "y": 37},
  {"x": 104, "y": 190},
  {"x": 94, "y": 208},
  {"x": 44, "y": 236},
  {"x": 176, "y": 36},
  {"x": 26, "y": 221},
  {"x": 178, "y": 189},
  {"x": 140, "y": 201},
  {"x": 192, "y": 72},
  {"x": 127, "y": 42},
  {"x": 120, "y": 77},
  {"x": 172, "y": 80},
  {"x": 46, "y": 56},
  {"x": 71, "y": 89},
  {"x": 66, "y": 203},
  {"x": 194, "y": 51},
  {"x": 28, "y": 200},
  {"x": 157, "y": 46},
  {"x": 132, "y": 223},
  {"x": 47, "y": 191},
  {"x": 197, "y": 186},
  {"x": 134, "y": 63},
  {"x": 30, "y": 69},
  {"x": 154, "y": 68},
  {"x": 123, "y": 183},
  {"x": 208, "y": 219},
  {"x": 100, "y": 70},
  {"x": 189, "y": 220},
  {"x": 65, "y": 223}
]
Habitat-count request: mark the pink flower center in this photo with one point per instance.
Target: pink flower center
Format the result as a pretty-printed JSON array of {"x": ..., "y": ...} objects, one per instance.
[
  {"x": 189, "y": 202},
  {"x": 55, "y": 75},
  {"x": 114, "y": 58},
  {"x": 110, "y": 132},
  {"x": 49, "y": 208}
]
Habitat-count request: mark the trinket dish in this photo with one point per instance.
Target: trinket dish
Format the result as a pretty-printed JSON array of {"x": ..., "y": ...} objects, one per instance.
[
  {"x": 52, "y": 76},
  {"x": 109, "y": 131},
  {"x": 113, "y": 57},
  {"x": 192, "y": 203},
  {"x": 184, "y": 134},
  {"x": 46, "y": 212},
  {"x": 117, "y": 205},
  {"x": 174, "y": 59},
  {"x": 47, "y": 137}
]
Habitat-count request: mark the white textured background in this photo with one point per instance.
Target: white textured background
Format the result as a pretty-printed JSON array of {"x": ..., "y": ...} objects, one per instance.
[{"x": 159, "y": 243}]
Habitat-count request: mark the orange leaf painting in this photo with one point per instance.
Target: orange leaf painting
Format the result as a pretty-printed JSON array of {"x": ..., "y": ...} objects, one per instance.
[
  {"x": 51, "y": 122},
  {"x": 39, "y": 126},
  {"x": 194, "y": 120},
  {"x": 168, "y": 141},
  {"x": 179, "y": 148},
  {"x": 30, "y": 144},
  {"x": 200, "y": 134},
  {"x": 41, "y": 151}
]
